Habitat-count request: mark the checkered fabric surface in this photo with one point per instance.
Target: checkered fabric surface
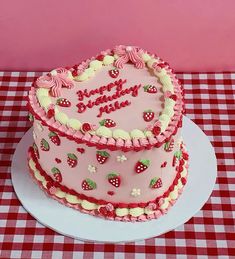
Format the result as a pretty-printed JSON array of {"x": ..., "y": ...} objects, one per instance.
[{"x": 210, "y": 233}]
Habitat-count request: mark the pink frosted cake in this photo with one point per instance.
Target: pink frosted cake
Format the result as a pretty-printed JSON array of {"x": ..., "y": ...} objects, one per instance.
[{"x": 107, "y": 135}]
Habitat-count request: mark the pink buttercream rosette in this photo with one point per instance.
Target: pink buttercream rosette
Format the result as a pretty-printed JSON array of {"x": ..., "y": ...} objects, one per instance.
[
  {"x": 126, "y": 54},
  {"x": 54, "y": 81}
]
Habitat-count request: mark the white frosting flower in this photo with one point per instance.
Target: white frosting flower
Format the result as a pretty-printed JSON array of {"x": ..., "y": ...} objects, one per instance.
[
  {"x": 135, "y": 192},
  {"x": 91, "y": 169},
  {"x": 121, "y": 158}
]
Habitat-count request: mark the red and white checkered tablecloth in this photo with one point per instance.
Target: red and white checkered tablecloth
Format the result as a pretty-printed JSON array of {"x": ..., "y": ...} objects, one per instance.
[{"x": 211, "y": 232}]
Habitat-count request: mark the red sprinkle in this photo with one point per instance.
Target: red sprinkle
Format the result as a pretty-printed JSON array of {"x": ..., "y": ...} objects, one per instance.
[
  {"x": 58, "y": 161},
  {"x": 183, "y": 180},
  {"x": 100, "y": 57}
]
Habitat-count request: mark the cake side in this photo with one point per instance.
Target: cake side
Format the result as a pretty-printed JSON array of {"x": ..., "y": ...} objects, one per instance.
[
  {"x": 110, "y": 210},
  {"x": 116, "y": 176}
]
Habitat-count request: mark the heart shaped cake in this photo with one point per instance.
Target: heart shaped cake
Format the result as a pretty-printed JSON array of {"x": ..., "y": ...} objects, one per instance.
[{"x": 107, "y": 135}]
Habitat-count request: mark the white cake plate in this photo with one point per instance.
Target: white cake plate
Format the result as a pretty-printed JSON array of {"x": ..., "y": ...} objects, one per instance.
[{"x": 72, "y": 223}]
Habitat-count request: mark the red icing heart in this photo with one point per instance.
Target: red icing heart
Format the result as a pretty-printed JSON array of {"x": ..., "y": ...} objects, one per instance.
[
  {"x": 58, "y": 161},
  {"x": 81, "y": 150}
]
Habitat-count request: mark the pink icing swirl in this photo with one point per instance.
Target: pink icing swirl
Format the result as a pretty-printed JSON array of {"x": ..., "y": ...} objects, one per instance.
[
  {"x": 109, "y": 207},
  {"x": 126, "y": 54},
  {"x": 151, "y": 206},
  {"x": 55, "y": 81}
]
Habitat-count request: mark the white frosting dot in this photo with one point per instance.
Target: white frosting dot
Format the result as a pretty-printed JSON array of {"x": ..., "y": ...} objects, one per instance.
[{"x": 128, "y": 48}]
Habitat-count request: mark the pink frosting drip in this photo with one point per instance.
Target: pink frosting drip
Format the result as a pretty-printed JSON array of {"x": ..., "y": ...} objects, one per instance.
[
  {"x": 126, "y": 54},
  {"x": 55, "y": 82}
]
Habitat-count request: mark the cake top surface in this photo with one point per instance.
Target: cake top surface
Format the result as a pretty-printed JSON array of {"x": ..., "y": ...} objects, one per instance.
[{"x": 122, "y": 98}]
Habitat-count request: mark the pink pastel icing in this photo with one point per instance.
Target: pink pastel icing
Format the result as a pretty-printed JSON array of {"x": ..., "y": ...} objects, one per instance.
[
  {"x": 111, "y": 141},
  {"x": 109, "y": 207},
  {"x": 120, "y": 142},
  {"x": 87, "y": 136},
  {"x": 55, "y": 82},
  {"x": 151, "y": 206},
  {"x": 103, "y": 140},
  {"x": 128, "y": 54},
  {"x": 95, "y": 139},
  {"x": 136, "y": 143},
  {"x": 143, "y": 141},
  {"x": 128, "y": 143}
]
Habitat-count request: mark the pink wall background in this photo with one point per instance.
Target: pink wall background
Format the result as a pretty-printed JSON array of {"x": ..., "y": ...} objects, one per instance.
[{"x": 190, "y": 35}]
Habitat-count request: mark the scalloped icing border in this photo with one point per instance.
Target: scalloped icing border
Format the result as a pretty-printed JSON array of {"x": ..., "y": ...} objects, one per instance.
[
  {"x": 121, "y": 211},
  {"x": 125, "y": 144}
]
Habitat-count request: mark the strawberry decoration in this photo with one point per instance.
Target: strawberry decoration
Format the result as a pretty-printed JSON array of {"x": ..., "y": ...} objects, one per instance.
[
  {"x": 164, "y": 164},
  {"x": 102, "y": 156},
  {"x": 35, "y": 150},
  {"x": 88, "y": 185},
  {"x": 155, "y": 183},
  {"x": 169, "y": 145},
  {"x": 63, "y": 102},
  {"x": 114, "y": 73},
  {"x": 108, "y": 123},
  {"x": 56, "y": 174},
  {"x": 50, "y": 112},
  {"x": 151, "y": 89},
  {"x": 72, "y": 160},
  {"x": 142, "y": 165},
  {"x": 114, "y": 179},
  {"x": 177, "y": 156},
  {"x": 58, "y": 161},
  {"x": 54, "y": 138},
  {"x": 111, "y": 193},
  {"x": 148, "y": 115},
  {"x": 44, "y": 145}
]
